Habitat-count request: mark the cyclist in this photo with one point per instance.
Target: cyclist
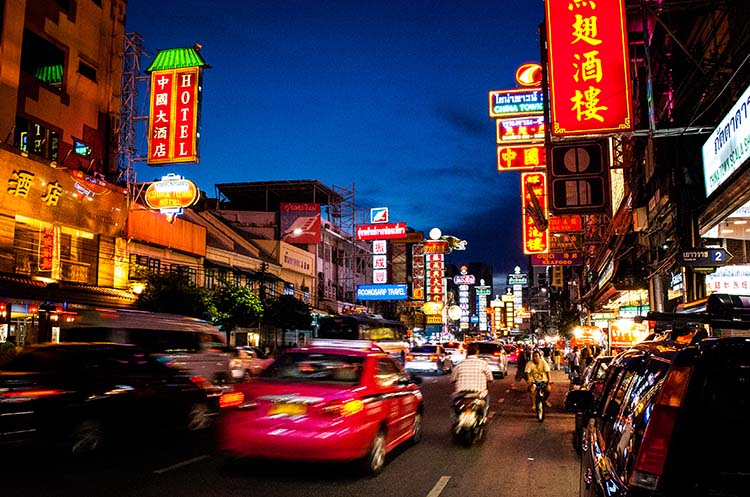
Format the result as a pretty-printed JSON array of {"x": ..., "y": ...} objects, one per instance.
[{"x": 537, "y": 369}]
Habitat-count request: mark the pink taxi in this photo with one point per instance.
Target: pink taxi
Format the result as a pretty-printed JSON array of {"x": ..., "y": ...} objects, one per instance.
[{"x": 335, "y": 400}]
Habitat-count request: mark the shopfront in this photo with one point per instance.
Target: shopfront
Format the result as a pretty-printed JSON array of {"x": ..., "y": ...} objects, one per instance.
[{"x": 725, "y": 222}]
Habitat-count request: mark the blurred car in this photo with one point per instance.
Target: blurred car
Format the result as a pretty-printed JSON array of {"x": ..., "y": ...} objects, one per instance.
[
  {"x": 333, "y": 401},
  {"x": 511, "y": 351},
  {"x": 428, "y": 359},
  {"x": 671, "y": 420},
  {"x": 79, "y": 397},
  {"x": 249, "y": 361},
  {"x": 457, "y": 350},
  {"x": 593, "y": 381},
  {"x": 493, "y": 353}
]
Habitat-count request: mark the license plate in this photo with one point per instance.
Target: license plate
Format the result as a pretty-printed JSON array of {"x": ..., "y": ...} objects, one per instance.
[{"x": 287, "y": 409}]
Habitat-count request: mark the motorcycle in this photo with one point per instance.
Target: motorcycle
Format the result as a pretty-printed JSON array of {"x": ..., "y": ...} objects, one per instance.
[
  {"x": 469, "y": 417},
  {"x": 540, "y": 398}
]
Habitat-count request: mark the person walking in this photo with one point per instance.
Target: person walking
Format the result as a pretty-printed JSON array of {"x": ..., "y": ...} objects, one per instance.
[
  {"x": 574, "y": 363},
  {"x": 521, "y": 359}
]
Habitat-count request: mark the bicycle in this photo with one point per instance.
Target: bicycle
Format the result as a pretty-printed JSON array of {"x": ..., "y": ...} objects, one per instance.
[{"x": 540, "y": 398}]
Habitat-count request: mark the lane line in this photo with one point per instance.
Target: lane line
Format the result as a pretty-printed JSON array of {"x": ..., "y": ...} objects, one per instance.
[
  {"x": 180, "y": 464},
  {"x": 439, "y": 486}
]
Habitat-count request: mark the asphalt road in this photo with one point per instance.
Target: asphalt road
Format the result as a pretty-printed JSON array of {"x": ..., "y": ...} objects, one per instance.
[{"x": 520, "y": 457}]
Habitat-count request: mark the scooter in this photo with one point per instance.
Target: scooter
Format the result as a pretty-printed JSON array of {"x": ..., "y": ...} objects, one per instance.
[{"x": 469, "y": 418}]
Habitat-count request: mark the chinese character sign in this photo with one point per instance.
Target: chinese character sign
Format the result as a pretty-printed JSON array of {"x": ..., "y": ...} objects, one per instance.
[
  {"x": 173, "y": 118},
  {"x": 534, "y": 208},
  {"x": 590, "y": 88}
]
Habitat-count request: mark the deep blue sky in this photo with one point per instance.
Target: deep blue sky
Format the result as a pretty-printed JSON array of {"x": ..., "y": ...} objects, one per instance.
[{"x": 390, "y": 97}]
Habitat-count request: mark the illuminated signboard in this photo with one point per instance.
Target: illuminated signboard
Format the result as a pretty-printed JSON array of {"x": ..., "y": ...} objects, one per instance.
[
  {"x": 385, "y": 231},
  {"x": 515, "y": 157},
  {"x": 381, "y": 292},
  {"x": 566, "y": 223},
  {"x": 514, "y": 103},
  {"x": 529, "y": 74},
  {"x": 520, "y": 129},
  {"x": 557, "y": 259},
  {"x": 534, "y": 195},
  {"x": 173, "y": 119},
  {"x": 589, "y": 79},
  {"x": 436, "y": 247},
  {"x": 300, "y": 222},
  {"x": 172, "y": 193}
]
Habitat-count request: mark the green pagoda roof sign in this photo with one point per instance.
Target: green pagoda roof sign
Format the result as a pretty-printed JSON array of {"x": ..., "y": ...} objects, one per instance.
[{"x": 177, "y": 58}]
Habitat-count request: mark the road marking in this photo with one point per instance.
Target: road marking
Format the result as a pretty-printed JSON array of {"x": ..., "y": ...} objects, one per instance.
[
  {"x": 439, "y": 486},
  {"x": 180, "y": 464}
]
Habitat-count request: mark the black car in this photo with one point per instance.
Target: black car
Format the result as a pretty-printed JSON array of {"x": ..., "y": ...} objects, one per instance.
[
  {"x": 79, "y": 396},
  {"x": 672, "y": 420},
  {"x": 593, "y": 381}
]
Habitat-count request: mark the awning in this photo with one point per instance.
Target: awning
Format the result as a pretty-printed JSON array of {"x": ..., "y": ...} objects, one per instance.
[{"x": 25, "y": 288}]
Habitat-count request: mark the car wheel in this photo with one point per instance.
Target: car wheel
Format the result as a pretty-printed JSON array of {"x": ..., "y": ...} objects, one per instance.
[
  {"x": 199, "y": 417},
  {"x": 416, "y": 429},
  {"x": 375, "y": 459},
  {"x": 86, "y": 437}
]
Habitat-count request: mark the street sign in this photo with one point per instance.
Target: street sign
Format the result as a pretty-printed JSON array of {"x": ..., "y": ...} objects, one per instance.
[{"x": 701, "y": 257}]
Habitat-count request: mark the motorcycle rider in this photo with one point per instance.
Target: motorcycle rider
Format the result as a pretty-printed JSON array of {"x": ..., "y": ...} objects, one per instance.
[
  {"x": 537, "y": 369},
  {"x": 472, "y": 374}
]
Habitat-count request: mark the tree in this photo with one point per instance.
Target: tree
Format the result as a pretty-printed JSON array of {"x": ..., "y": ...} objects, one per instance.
[
  {"x": 175, "y": 293},
  {"x": 288, "y": 313},
  {"x": 236, "y": 306}
]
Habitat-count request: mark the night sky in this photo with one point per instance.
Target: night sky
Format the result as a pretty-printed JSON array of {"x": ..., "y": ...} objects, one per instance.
[{"x": 389, "y": 98}]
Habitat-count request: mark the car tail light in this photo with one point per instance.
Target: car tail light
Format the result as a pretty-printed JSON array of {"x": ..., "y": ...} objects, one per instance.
[
  {"x": 433, "y": 358},
  {"x": 652, "y": 454},
  {"x": 31, "y": 394},
  {"x": 496, "y": 354},
  {"x": 409, "y": 357},
  {"x": 231, "y": 399},
  {"x": 343, "y": 408}
]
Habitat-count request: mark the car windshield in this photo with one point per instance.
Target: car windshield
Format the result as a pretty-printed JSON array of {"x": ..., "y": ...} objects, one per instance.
[
  {"x": 426, "y": 349},
  {"x": 305, "y": 367},
  {"x": 489, "y": 348}
]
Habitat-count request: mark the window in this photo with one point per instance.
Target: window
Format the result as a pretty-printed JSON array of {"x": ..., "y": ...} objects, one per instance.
[
  {"x": 36, "y": 139},
  {"x": 42, "y": 60},
  {"x": 387, "y": 374},
  {"x": 86, "y": 70}
]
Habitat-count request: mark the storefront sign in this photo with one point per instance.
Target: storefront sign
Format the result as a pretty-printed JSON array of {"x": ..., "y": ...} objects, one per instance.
[
  {"x": 557, "y": 259},
  {"x": 534, "y": 186},
  {"x": 729, "y": 146},
  {"x": 566, "y": 224},
  {"x": 589, "y": 70},
  {"x": 729, "y": 279},
  {"x": 516, "y": 157},
  {"x": 386, "y": 231},
  {"x": 520, "y": 129},
  {"x": 381, "y": 292},
  {"x": 515, "y": 103}
]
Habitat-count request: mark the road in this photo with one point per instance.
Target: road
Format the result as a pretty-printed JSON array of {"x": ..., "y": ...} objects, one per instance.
[{"x": 520, "y": 457}]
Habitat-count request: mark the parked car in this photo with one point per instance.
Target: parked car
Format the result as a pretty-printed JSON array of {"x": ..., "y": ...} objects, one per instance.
[
  {"x": 334, "y": 401},
  {"x": 457, "y": 350},
  {"x": 593, "y": 381},
  {"x": 79, "y": 397},
  {"x": 249, "y": 361},
  {"x": 494, "y": 354},
  {"x": 428, "y": 359},
  {"x": 671, "y": 420}
]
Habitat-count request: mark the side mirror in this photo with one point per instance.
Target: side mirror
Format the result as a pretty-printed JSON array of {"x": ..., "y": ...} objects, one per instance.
[{"x": 579, "y": 401}]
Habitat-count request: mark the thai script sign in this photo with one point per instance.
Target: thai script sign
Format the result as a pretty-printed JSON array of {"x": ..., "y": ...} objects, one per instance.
[
  {"x": 589, "y": 79},
  {"x": 385, "y": 231},
  {"x": 514, "y": 103},
  {"x": 729, "y": 145},
  {"x": 520, "y": 129}
]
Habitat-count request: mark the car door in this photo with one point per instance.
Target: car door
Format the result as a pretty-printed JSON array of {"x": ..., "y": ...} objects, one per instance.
[{"x": 397, "y": 396}]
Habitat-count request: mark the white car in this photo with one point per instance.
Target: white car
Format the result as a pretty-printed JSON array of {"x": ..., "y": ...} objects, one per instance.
[
  {"x": 457, "y": 351},
  {"x": 495, "y": 356},
  {"x": 428, "y": 359}
]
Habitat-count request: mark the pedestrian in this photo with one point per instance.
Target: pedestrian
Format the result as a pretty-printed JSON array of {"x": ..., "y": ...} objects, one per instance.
[
  {"x": 521, "y": 359},
  {"x": 574, "y": 361}
]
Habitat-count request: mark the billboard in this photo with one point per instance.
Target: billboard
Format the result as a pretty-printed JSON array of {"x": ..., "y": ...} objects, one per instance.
[
  {"x": 534, "y": 212},
  {"x": 381, "y": 292},
  {"x": 384, "y": 231},
  {"x": 589, "y": 79},
  {"x": 515, "y": 103},
  {"x": 173, "y": 116},
  {"x": 300, "y": 222}
]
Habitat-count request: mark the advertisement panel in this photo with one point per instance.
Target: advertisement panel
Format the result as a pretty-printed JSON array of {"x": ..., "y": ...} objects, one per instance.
[
  {"x": 381, "y": 292},
  {"x": 589, "y": 78},
  {"x": 515, "y": 103},
  {"x": 173, "y": 116},
  {"x": 300, "y": 222},
  {"x": 385, "y": 231}
]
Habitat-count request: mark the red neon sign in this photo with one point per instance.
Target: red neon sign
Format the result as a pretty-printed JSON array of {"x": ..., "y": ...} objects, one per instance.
[
  {"x": 534, "y": 196},
  {"x": 514, "y": 157},
  {"x": 173, "y": 118},
  {"x": 590, "y": 88}
]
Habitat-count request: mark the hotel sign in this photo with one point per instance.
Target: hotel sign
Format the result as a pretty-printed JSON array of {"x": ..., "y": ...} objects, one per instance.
[{"x": 589, "y": 78}]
